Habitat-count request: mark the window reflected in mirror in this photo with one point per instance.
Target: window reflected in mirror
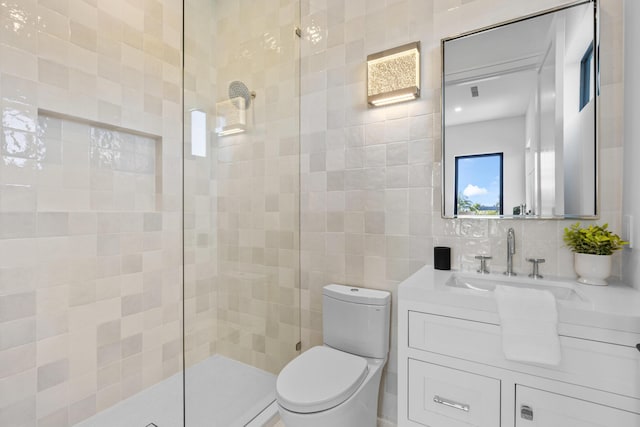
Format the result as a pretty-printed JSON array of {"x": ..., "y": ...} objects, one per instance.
[
  {"x": 479, "y": 184},
  {"x": 586, "y": 78}
]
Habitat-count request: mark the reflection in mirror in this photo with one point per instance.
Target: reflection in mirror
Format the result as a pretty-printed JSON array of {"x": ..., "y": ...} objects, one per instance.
[
  {"x": 519, "y": 118},
  {"x": 479, "y": 184}
]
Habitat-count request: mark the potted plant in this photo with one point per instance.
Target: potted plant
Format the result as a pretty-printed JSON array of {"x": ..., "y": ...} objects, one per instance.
[{"x": 593, "y": 247}]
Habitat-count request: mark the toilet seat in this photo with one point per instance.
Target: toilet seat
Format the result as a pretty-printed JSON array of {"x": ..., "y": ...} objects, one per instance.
[{"x": 319, "y": 379}]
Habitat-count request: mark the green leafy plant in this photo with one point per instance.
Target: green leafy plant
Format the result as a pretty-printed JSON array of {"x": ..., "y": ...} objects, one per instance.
[
  {"x": 593, "y": 240},
  {"x": 466, "y": 206}
]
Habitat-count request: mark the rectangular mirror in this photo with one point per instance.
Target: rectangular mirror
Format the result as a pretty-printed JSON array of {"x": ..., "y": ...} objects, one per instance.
[{"x": 519, "y": 118}]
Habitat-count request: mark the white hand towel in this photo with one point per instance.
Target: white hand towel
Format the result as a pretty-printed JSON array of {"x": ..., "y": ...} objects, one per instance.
[{"x": 529, "y": 323}]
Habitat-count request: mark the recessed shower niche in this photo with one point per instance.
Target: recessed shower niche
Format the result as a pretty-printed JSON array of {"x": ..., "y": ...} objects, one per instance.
[{"x": 99, "y": 167}]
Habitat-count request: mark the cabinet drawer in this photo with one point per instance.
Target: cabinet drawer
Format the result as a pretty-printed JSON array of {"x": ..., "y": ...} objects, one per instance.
[
  {"x": 446, "y": 397},
  {"x": 617, "y": 366},
  {"x": 538, "y": 408}
]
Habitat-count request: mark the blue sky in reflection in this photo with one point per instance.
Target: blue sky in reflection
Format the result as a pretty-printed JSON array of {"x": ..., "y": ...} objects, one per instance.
[{"x": 479, "y": 179}]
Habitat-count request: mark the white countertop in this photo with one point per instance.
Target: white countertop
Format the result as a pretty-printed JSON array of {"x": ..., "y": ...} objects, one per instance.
[{"x": 615, "y": 307}]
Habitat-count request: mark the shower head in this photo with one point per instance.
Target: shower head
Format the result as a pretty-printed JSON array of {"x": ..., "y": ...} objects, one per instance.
[{"x": 237, "y": 89}]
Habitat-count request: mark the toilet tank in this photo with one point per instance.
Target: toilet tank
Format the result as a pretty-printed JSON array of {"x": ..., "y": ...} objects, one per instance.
[{"x": 356, "y": 320}]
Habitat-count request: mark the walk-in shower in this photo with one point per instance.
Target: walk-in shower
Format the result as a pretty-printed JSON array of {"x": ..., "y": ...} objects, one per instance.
[{"x": 144, "y": 280}]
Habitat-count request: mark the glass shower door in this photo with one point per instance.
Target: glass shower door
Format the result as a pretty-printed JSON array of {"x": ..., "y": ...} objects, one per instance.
[{"x": 241, "y": 205}]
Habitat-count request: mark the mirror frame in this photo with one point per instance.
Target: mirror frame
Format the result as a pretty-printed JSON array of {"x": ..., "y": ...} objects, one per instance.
[{"x": 595, "y": 68}]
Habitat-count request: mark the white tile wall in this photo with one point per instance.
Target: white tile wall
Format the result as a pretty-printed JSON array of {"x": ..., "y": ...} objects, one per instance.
[
  {"x": 370, "y": 197},
  {"x": 90, "y": 205},
  {"x": 258, "y": 185},
  {"x": 241, "y": 202},
  {"x": 200, "y": 188}
]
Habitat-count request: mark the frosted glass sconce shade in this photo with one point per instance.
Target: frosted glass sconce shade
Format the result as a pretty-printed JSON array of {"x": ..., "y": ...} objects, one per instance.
[
  {"x": 198, "y": 133},
  {"x": 231, "y": 116},
  {"x": 393, "y": 75}
]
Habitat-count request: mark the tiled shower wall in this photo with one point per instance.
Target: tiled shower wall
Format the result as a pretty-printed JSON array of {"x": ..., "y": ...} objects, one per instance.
[
  {"x": 370, "y": 192},
  {"x": 90, "y": 205},
  {"x": 200, "y": 187},
  {"x": 258, "y": 184},
  {"x": 241, "y": 200}
]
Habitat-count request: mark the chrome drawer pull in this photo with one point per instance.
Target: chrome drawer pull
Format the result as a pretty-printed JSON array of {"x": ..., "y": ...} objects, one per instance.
[
  {"x": 526, "y": 412},
  {"x": 451, "y": 403}
]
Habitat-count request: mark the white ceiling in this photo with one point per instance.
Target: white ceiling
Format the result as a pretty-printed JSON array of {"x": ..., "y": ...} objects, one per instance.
[
  {"x": 500, "y": 96},
  {"x": 505, "y": 74},
  {"x": 500, "y": 45}
]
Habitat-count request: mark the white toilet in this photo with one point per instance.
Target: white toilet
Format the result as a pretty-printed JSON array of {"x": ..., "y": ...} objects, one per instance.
[{"x": 337, "y": 384}]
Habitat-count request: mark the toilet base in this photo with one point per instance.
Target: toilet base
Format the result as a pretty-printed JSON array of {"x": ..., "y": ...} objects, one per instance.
[
  {"x": 360, "y": 410},
  {"x": 337, "y": 418}
]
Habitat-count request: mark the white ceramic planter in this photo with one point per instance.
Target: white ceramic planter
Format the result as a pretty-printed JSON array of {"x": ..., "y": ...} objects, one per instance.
[{"x": 592, "y": 269}]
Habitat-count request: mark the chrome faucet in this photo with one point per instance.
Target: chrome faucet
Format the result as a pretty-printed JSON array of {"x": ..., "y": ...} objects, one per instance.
[{"x": 511, "y": 249}]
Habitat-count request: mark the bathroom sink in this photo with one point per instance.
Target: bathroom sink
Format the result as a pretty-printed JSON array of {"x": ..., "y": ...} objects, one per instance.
[{"x": 487, "y": 283}]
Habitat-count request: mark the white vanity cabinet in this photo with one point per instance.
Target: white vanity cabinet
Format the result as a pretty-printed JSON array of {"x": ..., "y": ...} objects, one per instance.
[
  {"x": 538, "y": 408},
  {"x": 452, "y": 371}
]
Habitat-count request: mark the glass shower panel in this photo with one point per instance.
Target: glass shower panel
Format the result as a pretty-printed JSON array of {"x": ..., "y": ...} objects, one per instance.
[{"x": 241, "y": 205}]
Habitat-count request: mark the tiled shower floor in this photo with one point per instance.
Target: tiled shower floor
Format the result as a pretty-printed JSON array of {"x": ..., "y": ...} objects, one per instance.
[{"x": 220, "y": 392}]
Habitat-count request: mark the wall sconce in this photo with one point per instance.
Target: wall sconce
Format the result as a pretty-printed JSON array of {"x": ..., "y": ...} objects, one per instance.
[
  {"x": 231, "y": 117},
  {"x": 393, "y": 75},
  {"x": 198, "y": 133}
]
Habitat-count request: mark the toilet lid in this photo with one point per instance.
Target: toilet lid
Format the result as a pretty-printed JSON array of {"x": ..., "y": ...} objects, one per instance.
[{"x": 319, "y": 379}]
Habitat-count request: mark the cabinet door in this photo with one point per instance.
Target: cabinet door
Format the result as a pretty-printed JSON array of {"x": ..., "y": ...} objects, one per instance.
[
  {"x": 537, "y": 408},
  {"x": 445, "y": 397}
]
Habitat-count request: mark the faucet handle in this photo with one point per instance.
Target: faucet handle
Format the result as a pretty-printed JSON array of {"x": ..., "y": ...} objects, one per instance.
[
  {"x": 483, "y": 264},
  {"x": 536, "y": 262}
]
